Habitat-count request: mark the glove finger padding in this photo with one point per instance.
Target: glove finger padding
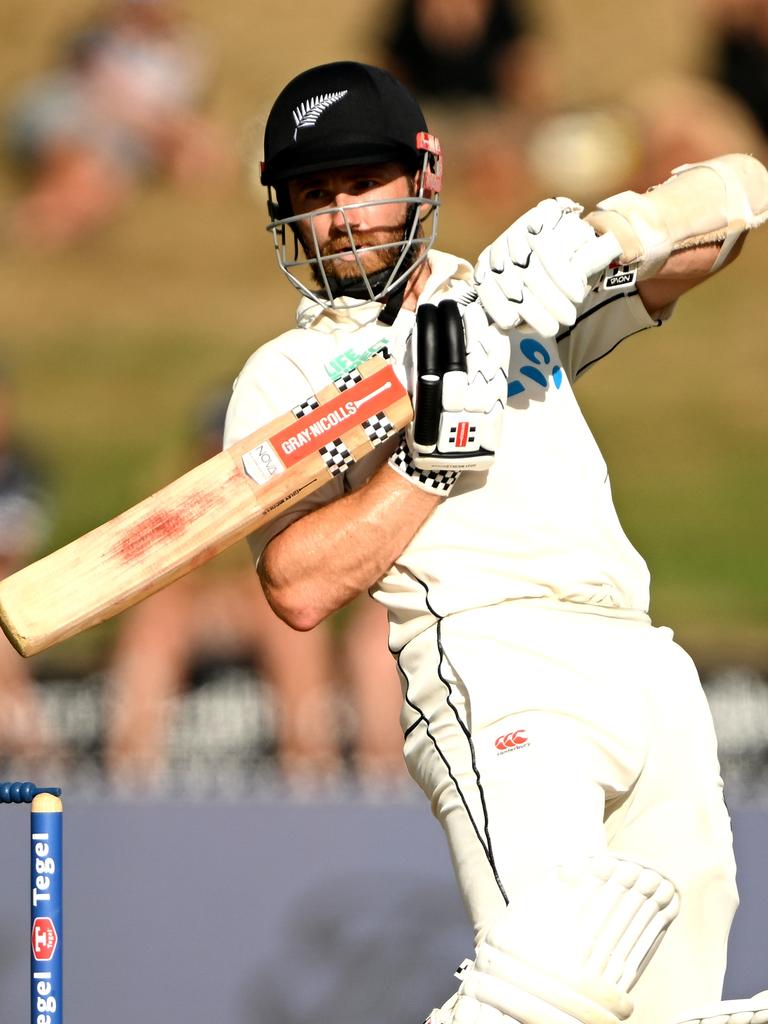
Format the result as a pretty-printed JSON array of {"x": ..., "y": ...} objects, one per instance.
[
  {"x": 460, "y": 388},
  {"x": 567, "y": 280},
  {"x": 538, "y": 270}
]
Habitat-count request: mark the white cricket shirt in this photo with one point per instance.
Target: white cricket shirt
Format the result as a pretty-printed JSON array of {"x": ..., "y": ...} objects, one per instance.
[{"x": 540, "y": 523}]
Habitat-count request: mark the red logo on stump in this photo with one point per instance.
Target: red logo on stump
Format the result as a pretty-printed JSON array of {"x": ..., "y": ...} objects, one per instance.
[{"x": 44, "y": 938}]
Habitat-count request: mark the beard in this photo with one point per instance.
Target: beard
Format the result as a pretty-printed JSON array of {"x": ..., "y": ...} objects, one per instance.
[{"x": 344, "y": 275}]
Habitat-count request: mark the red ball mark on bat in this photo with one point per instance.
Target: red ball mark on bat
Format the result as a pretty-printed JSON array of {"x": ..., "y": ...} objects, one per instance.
[
  {"x": 163, "y": 525},
  {"x": 148, "y": 531}
]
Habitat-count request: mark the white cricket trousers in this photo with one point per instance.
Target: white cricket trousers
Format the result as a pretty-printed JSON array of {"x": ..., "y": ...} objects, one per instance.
[{"x": 544, "y": 733}]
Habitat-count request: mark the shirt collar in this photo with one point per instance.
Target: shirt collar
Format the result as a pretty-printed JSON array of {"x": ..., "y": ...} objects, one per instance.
[{"x": 350, "y": 314}]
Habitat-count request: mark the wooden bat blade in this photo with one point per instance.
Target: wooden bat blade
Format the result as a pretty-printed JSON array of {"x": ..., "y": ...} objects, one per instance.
[{"x": 205, "y": 511}]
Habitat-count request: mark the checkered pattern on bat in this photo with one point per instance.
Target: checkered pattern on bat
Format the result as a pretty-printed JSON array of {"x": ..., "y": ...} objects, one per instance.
[
  {"x": 348, "y": 380},
  {"x": 378, "y": 428},
  {"x": 336, "y": 456},
  {"x": 309, "y": 405}
]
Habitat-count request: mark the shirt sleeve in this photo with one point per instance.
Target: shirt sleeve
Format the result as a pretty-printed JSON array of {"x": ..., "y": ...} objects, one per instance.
[
  {"x": 269, "y": 384},
  {"x": 605, "y": 320}
]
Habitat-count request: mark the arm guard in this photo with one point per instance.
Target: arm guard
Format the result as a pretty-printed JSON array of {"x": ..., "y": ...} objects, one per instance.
[{"x": 713, "y": 201}]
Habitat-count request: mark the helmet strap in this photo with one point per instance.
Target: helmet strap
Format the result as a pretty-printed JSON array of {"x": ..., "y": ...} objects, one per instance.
[{"x": 393, "y": 304}]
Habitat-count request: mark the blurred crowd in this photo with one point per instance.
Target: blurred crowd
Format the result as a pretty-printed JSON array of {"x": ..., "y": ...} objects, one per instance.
[
  {"x": 219, "y": 614},
  {"x": 212, "y": 618},
  {"x": 120, "y": 106},
  {"x": 123, "y": 105},
  {"x": 489, "y": 76},
  {"x": 23, "y": 527}
]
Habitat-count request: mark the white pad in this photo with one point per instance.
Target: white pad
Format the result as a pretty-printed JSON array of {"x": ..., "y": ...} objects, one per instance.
[
  {"x": 712, "y": 201},
  {"x": 568, "y": 948},
  {"x": 732, "y": 1011}
]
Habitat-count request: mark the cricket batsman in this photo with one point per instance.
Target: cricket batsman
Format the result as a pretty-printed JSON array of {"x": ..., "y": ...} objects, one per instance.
[{"x": 563, "y": 740}]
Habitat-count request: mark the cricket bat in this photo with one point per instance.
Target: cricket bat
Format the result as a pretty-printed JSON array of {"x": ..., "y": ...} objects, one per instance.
[{"x": 200, "y": 514}]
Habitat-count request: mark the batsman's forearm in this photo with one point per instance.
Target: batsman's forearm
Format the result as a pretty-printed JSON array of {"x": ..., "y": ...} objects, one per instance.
[
  {"x": 323, "y": 560},
  {"x": 681, "y": 272}
]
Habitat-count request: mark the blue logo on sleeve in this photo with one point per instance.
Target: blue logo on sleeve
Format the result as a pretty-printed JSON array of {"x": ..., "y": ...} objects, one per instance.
[{"x": 535, "y": 355}]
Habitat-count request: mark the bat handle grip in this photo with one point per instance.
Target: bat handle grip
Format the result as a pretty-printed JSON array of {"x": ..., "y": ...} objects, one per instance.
[
  {"x": 604, "y": 250},
  {"x": 428, "y": 405}
]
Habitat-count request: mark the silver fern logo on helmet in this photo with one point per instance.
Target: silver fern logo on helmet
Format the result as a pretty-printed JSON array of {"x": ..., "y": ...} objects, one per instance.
[{"x": 307, "y": 113}]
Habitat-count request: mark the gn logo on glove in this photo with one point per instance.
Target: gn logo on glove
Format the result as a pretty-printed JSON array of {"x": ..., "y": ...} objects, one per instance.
[{"x": 462, "y": 434}]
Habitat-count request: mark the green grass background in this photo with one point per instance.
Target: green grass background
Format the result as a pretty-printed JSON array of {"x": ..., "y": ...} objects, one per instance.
[{"x": 112, "y": 346}]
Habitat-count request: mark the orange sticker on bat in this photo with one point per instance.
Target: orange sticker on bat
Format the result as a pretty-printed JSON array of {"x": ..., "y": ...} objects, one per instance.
[{"x": 330, "y": 420}]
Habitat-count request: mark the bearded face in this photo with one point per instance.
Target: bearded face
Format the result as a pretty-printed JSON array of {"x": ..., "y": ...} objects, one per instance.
[
  {"x": 353, "y": 223},
  {"x": 356, "y": 231},
  {"x": 348, "y": 255}
]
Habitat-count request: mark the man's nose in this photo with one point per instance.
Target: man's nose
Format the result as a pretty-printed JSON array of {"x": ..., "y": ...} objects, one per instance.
[{"x": 351, "y": 216}]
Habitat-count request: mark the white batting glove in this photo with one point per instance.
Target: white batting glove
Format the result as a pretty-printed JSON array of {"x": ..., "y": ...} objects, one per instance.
[
  {"x": 537, "y": 272},
  {"x": 460, "y": 365}
]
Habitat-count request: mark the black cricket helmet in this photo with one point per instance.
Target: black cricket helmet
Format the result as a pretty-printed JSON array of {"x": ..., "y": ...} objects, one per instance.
[{"x": 340, "y": 115}]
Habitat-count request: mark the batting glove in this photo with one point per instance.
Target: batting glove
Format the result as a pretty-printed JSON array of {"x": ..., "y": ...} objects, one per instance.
[
  {"x": 537, "y": 272},
  {"x": 460, "y": 364}
]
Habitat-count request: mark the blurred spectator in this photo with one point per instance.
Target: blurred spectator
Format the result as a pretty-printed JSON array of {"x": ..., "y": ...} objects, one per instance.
[
  {"x": 121, "y": 104},
  {"x": 740, "y": 29},
  {"x": 684, "y": 118},
  {"x": 490, "y": 77},
  {"x": 214, "y": 616},
  {"x": 481, "y": 50},
  {"x": 24, "y": 734},
  {"x": 635, "y": 141},
  {"x": 218, "y": 615},
  {"x": 487, "y": 76},
  {"x": 665, "y": 120}
]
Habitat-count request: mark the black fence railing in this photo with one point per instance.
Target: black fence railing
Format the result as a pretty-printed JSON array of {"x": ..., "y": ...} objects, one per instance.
[{"x": 221, "y": 737}]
